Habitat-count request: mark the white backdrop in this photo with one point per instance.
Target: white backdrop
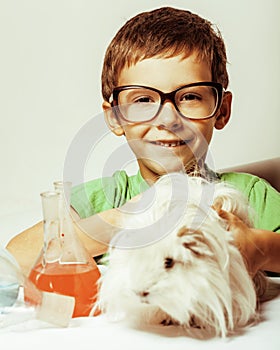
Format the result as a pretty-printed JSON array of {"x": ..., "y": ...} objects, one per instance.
[{"x": 50, "y": 66}]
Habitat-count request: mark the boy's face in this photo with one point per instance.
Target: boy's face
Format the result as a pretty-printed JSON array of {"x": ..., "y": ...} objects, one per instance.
[{"x": 158, "y": 144}]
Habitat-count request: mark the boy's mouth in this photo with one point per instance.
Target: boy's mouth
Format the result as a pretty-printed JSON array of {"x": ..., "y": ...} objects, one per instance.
[{"x": 171, "y": 143}]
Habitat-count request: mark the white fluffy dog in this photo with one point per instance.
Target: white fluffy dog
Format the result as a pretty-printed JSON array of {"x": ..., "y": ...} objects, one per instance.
[{"x": 176, "y": 263}]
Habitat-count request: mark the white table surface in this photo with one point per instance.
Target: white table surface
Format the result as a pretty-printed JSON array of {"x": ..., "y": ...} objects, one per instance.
[{"x": 88, "y": 333}]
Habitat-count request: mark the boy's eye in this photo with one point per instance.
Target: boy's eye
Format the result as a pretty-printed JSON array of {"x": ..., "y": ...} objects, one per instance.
[
  {"x": 190, "y": 97},
  {"x": 138, "y": 96},
  {"x": 144, "y": 99}
]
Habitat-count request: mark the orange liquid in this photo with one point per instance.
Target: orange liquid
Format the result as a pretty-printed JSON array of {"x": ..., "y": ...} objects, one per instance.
[{"x": 75, "y": 280}]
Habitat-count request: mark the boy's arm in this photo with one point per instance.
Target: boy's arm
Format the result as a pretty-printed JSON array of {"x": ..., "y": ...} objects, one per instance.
[
  {"x": 260, "y": 248},
  {"x": 26, "y": 246}
]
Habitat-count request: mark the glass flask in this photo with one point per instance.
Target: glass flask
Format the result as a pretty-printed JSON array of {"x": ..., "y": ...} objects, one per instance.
[
  {"x": 9, "y": 279},
  {"x": 64, "y": 265}
]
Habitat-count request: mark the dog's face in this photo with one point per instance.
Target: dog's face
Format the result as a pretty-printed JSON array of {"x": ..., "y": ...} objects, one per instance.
[{"x": 193, "y": 276}]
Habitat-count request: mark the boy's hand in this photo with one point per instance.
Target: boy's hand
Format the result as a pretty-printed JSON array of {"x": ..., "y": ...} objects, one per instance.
[{"x": 247, "y": 240}]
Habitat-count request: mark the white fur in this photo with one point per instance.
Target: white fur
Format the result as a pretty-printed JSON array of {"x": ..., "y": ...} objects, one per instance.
[{"x": 205, "y": 286}]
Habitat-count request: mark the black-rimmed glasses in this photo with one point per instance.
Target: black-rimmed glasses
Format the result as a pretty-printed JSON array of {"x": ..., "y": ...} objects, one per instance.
[{"x": 136, "y": 103}]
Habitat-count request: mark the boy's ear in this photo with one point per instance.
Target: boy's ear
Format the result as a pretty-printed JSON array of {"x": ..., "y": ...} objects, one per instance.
[
  {"x": 224, "y": 111},
  {"x": 112, "y": 120}
]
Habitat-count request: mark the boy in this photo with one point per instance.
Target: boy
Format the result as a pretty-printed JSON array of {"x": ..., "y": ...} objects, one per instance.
[{"x": 164, "y": 84}]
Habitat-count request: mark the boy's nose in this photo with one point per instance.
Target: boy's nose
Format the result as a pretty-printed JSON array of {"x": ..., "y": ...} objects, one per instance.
[{"x": 168, "y": 117}]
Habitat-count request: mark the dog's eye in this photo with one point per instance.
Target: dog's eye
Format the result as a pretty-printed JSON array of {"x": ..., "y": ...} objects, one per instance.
[{"x": 169, "y": 263}]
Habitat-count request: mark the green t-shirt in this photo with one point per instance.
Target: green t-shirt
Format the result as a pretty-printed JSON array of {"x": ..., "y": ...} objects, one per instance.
[{"x": 102, "y": 194}]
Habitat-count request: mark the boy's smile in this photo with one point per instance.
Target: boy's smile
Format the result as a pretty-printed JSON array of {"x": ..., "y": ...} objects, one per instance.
[{"x": 169, "y": 142}]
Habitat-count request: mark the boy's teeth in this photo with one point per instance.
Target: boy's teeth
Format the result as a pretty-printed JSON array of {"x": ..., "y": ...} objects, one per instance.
[{"x": 169, "y": 144}]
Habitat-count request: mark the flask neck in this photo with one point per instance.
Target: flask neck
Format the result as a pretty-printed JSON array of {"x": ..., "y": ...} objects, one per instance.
[
  {"x": 52, "y": 244},
  {"x": 73, "y": 251}
]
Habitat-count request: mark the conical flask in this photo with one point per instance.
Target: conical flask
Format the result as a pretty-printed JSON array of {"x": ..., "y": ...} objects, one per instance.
[{"x": 64, "y": 265}]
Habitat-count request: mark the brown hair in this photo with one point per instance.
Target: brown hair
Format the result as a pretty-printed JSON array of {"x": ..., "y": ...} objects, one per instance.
[{"x": 164, "y": 32}]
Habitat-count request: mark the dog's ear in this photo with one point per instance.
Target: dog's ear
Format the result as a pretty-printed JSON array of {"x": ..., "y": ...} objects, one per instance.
[{"x": 194, "y": 241}]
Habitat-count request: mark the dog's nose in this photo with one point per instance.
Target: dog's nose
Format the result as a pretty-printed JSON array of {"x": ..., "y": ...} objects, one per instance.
[{"x": 143, "y": 297}]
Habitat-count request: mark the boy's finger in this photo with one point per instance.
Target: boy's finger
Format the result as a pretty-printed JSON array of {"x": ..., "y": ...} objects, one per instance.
[
  {"x": 225, "y": 215},
  {"x": 233, "y": 221}
]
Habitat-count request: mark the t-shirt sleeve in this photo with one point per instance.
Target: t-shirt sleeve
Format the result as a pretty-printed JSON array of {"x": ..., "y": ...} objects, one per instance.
[
  {"x": 102, "y": 194},
  {"x": 266, "y": 202},
  {"x": 263, "y": 198},
  {"x": 92, "y": 197}
]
